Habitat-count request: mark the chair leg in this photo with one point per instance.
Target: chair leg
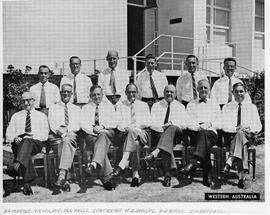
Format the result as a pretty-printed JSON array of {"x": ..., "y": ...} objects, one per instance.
[{"x": 46, "y": 170}]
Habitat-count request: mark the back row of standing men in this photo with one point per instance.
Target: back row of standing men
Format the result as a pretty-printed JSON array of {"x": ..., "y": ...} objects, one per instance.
[{"x": 128, "y": 121}]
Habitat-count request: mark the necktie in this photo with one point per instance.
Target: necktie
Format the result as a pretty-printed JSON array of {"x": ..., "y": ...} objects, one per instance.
[
  {"x": 239, "y": 114},
  {"x": 194, "y": 86},
  {"x": 167, "y": 114},
  {"x": 96, "y": 116},
  {"x": 28, "y": 123},
  {"x": 153, "y": 88},
  {"x": 66, "y": 115},
  {"x": 132, "y": 113},
  {"x": 230, "y": 91},
  {"x": 42, "y": 102},
  {"x": 112, "y": 82},
  {"x": 75, "y": 90}
]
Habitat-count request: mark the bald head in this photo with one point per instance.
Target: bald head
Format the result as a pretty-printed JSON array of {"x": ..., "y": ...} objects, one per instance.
[
  {"x": 169, "y": 93},
  {"x": 112, "y": 58},
  {"x": 203, "y": 88}
]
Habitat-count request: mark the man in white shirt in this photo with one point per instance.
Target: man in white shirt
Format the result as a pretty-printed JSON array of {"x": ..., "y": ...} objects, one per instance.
[
  {"x": 134, "y": 122},
  {"x": 204, "y": 117},
  {"x": 167, "y": 122},
  {"x": 151, "y": 82},
  {"x": 80, "y": 83},
  {"x": 26, "y": 131},
  {"x": 113, "y": 80},
  {"x": 46, "y": 93},
  {"x": 98, "y": 120},
  {"x": 240, "y": 120},
  {"x": 64, "y": 121},
  {"x": 222, "y": 89},
  {"x": 186, "y": 85}
]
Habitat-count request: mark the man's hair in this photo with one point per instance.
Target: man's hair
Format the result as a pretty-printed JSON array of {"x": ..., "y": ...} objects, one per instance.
[
  {"x": 239, "y": 84},
  {"x": 132, "y": 84},
  {"x": 229, "y": 59},
  {"x": 110, "y": 51},
  {"x": 150, "y": 56},
  {"x": 76, "y": 57},
  {"x": 44, "y": 66},
  {"x": 190, "y": 56},
  {"x": 67, "y": 84},
  {"x": 95, "y": 87},
  {"x": 203, "y": 80}
]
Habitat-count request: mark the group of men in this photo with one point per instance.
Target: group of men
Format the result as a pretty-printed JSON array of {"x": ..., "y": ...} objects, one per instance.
[{"x": 116, "y": 112}]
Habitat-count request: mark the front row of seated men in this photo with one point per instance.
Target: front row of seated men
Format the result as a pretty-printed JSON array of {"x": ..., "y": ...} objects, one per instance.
[{"x": 129, "y": 127}]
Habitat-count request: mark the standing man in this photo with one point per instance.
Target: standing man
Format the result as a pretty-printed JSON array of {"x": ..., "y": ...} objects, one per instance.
[
  {"x": 80, "y": 83},
  {"x": 167, "y": 122},
  {"x": 186, "y": 85},
  {"x": 222, "y": 89},
  {"x": 64, "y": 120},
  {"x": 26, "y": 131},
  {"x": 113, "y": 80},
  {"x": 98, "y": 120},
  {"x": 134, "y": 123},
  {"x": 204, "y": 117},
  {"x": 151, "y": 82},
  {"x": 46, "y": 93},
  {"x": 240, "y": 120}
]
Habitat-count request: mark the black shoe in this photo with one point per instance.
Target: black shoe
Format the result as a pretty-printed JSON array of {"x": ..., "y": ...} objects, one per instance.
[
  {"x": 188, "y": 169},
  {"x": 241, "y": 184},
  {"x": 149, "y": 159},
  {"x": 27, "y": 190},
  {"x": 60, "y": 182},
  {"x": 90, "y": 170},
  {"x": 109, "y": 185},
  {"x": 83, "y": 189},
  {"x": 167, "y": 181},
  {"x": 116, "y": 172},
  {"x": 226, "y": 168},
  {"x": 11, "y": 172},
  {"x": 211, "y": 183},
  {"x": 135, "y": 182}
]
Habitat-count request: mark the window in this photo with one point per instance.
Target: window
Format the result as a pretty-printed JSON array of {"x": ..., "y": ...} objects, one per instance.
[
  {"x": 259, "y": 24},
  {"x": 218, "y": 14}
]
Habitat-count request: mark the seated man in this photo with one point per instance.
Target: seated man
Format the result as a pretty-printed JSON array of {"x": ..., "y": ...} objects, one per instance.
[
  {"x": 26, "y": 131},
  {"x": 64, "y": 123},
  {"x": 240, "y": 119},
  {"x": 167, "y": 122},
  {"x": 134, "y": 121},
  {"x": 98, "y": 120},
  {"x": 203, "y": 115}
]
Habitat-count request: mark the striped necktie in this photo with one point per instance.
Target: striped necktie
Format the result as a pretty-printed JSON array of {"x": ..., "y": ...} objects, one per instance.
[
  {"x": 42, "y": 102},
  {"x": 239, "y": 114},
  {"x": 132, "y": 113},
  {"x": 194, "y": 86},
  {"x": 28, "y": 128},
  {"x": 75, "y": 90},
  {"x": 112, "y": 82},
  {"x": 230, "y": 91},
  {"x": 96, "y": 116},
  {"x": 66, "y": 115},
  {"x": 153, "y": 88}
]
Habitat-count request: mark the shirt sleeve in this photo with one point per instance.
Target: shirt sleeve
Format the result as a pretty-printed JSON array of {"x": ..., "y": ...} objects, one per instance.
[
  {"x": 139, "y": 85},
  {"x": 255, "y": 123},
  {"x": 11, "y": 130},
  {"x": 178, "y": 89}
]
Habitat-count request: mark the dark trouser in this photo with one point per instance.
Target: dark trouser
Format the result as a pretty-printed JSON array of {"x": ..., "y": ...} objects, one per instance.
[
  {"x": 204, "y": 140},
  {"x": 150, "y": 101},
  {"x": 23, "y": 152},
  {"x": 166, "y": 142}
]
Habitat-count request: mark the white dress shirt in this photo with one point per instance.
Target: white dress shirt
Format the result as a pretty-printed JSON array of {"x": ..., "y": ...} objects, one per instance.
[
  {"x": 83, "y": 85},
  {"x": 249, "y": 117},
  {"x": 142, "y": 114},
  {"x": 57, "y": 116},
  {"x": 177, "y": 114},
  {"x": 201, "y": 112},
  {"x": 106, "y": 112},
  {"x": 121, "y": 81},
  {"x": 220, "y": 90},
  {"x": 39, "y": 125},
  {"x": 184, "y": 86},
  {"x": 51, "y": 92},
  {"x": 144, "y": 87}
]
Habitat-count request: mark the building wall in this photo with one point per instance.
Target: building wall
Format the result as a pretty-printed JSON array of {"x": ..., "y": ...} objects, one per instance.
[{"x": 48, "y": 31}]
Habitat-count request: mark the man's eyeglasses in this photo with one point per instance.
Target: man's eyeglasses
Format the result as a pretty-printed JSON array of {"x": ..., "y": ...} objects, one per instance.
[{"x": 66, "y": 91}]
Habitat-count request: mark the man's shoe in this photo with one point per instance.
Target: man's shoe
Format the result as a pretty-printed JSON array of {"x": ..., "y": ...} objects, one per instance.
[
  {"x": 109, "y": 185},
  {"x": 11, "y": 172},
  {"x": 167, "y": 181},
  {"x": 90, "y": 170},
  {"x": 226, "y": 168},
  {"x": 60, "y": 182},
  {"x": 135, "y": 182},
  {"x": 241, "y": 184},
  {"x": 27, "y": 190},
  {"x": 211, "y": 183},
  {"x": 188, "y": 169},
  {"x": 116, "y": 172}
]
